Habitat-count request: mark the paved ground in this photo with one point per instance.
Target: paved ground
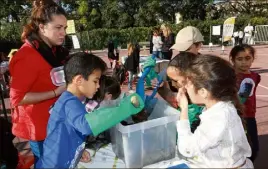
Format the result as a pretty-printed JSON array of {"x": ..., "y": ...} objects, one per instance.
[{"x": 260, "y": 65}]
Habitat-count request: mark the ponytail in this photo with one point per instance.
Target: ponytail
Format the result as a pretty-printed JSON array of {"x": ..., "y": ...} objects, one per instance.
[{"x": 27, "y": 30}]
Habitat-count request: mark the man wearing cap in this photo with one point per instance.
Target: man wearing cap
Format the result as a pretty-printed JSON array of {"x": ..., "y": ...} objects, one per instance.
[{"x": 188, "y": 39}]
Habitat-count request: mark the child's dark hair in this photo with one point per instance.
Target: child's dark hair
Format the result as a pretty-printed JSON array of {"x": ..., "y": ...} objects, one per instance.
[
  {"x": 241, "y": 48},
  {"x": 108, "y": 85},
  {"x": 156, "y": 30},
  {"x": 234, "y": 52},
  {"x": 182, "y": 61},
  {"x": 217, "y": 76},
  {"x": 82, "y": 64},
  {"x": 249, "y": 48}
]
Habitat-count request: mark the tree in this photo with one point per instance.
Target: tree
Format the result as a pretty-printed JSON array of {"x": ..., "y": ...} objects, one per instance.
[
  {"x": 110, "y": 14},
  {"x": 248, "y": 6},
  {"x": 13, "y": 8},
  {"x": 149, "y": 14},
  {"x": 169, "y": 8},
  {"x": 192, "y": 9},
  {"x": 95, "y": 19},
  {"x": 243, "y": 7}
]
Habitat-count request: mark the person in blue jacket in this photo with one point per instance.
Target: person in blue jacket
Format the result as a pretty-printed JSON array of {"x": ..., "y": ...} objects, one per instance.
[{"x": 69, "y": 122}]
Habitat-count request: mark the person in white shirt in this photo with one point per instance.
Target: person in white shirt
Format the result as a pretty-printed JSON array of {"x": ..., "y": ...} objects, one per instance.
[
  {"x": 248, "y": 34},
  {"x": 157, "y": 43},
  {"x": 220, "y": 140}
]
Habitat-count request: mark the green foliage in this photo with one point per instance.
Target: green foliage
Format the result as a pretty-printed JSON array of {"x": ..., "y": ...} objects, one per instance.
[
  {"x": 10, "y": 32},
  {"x": 98, "y": 38}
]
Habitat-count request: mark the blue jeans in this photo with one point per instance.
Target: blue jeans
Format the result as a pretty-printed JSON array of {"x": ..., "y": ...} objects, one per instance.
[
  {"x": 157, "y": 54},
  {"x": 37, "y": 149}
]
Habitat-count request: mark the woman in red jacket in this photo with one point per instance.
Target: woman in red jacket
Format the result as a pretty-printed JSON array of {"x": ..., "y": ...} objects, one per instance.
[{"x": 32, "y": 92}]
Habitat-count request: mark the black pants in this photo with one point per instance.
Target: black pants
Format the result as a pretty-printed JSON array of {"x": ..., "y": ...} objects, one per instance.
[
  {"x": 8, "y": 152},
  {"x": 240, "y": 41},
  {"x": 253, "y": 136},
  {"x": 236, "y": 41},
  {"x": 167, "y": 54}
]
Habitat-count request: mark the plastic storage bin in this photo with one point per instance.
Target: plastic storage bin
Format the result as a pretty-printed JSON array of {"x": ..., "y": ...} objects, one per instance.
[
  {"x": 148, "y": 142},
  {"x": 57, "y": 76}
]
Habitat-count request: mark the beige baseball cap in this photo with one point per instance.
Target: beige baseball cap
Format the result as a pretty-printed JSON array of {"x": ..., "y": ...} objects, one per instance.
[{"x": 186, "y": 37}]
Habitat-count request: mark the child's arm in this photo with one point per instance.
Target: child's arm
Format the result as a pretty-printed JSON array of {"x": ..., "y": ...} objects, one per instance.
[
  {"x": 160, "y": 40},
  {"x": 204, "y": 137},
  {"x": 76, "y": 116},
  {"x": 104, "y": 118},
  {"x": 101, "y": 119}
]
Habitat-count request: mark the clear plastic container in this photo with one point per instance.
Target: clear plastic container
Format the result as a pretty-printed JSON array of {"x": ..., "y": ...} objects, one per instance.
[
  {"x": 57, "y": 76},
  {"x": 148, "y": 142}
]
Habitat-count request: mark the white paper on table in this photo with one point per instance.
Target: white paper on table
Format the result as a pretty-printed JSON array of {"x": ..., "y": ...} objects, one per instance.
[{"x": 103, "y": 158}]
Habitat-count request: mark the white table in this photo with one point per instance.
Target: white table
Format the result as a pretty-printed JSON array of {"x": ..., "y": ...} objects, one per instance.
[{"x": 105, "y": 158}]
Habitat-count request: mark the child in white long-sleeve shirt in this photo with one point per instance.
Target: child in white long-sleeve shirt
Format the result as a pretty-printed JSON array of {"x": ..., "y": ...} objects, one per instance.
[
  {"x": 220, "y": 140},
  {"x": 157, "y": 43}
]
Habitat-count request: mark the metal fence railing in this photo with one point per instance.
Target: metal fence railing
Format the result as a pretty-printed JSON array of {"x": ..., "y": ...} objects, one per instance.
[{"x": 261, "y": 34}]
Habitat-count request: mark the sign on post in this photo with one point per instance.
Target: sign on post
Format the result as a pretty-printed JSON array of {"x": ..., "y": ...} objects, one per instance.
[
  {"x": 70, "y": 27},
  {"x": 75, "y": 42},
  {"x": 216, "y": 30}
]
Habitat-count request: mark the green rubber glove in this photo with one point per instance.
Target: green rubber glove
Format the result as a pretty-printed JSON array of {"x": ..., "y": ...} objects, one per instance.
[
  {"x": 104, "y": 118},
  {"x": 150, "y": 62},
  {"x": 193, "y": 110}
]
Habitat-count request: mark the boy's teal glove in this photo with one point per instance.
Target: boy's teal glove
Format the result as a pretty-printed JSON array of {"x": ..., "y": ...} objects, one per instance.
[
  {"x": 104, "y": 118},
  {"x": 150, "y": 63}
]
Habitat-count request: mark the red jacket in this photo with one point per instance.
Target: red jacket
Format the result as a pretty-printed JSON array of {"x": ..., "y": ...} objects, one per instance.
[
  {"x": 250, "y": 104},
  {"x": 30, "y": 73}
]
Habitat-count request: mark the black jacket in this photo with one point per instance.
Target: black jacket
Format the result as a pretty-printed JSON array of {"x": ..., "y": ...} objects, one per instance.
[
  {"x": 168, "y": 42},
  {"x": 132, "y": 63}
]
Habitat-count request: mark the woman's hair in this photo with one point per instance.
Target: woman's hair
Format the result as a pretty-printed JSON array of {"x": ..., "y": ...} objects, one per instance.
[
  {"x": 108, "y": 85},
  {"x": 42, "y": 13},
  {"x": 217, "y": 76},
  {"x": 242, "y": 48},
  {"x": 163, "y": 26},
  {"x": 82, "y": 64},
  {"x": 166, "y": 31},
  {"x": 130, "y": 48}
]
